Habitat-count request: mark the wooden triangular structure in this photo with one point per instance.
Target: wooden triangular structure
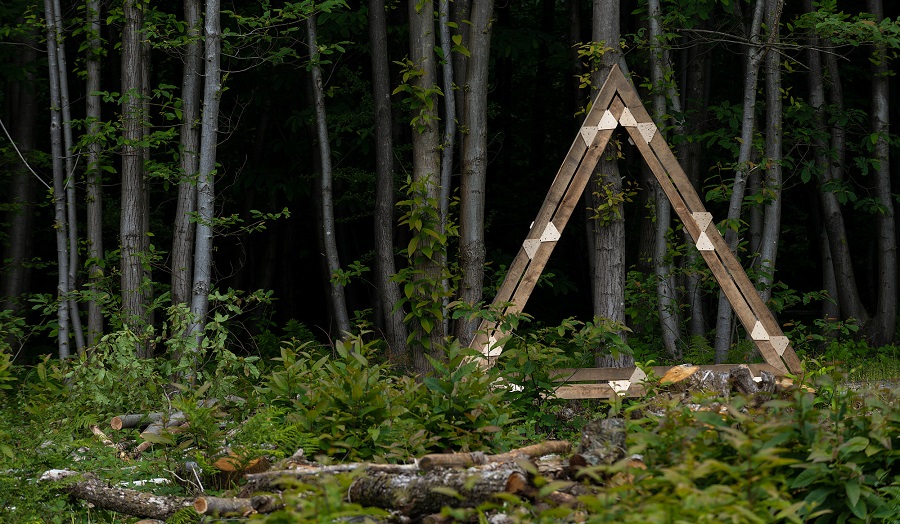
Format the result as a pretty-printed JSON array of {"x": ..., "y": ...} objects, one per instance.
[{"x": 617, "y": 104}]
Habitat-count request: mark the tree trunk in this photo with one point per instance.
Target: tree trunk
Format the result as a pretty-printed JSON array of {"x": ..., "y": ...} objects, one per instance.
[
  {"x": 608, "y": 279},
  {"x": 388, "y": 290},
  {"x": 881, "y": 331},
  {"x": 426, "y": 171},
  {"x": 848, "y": 298},
  {"x": 71, "y": 217},
  {"x": 134, "y": 218},
  {"x": 474, "y": 177},
  {"x": 448, "y": 143},
  {"x": 338, "y": 302},
  {"x": 755, "y": 55},
  {"x": 667, "y": 305},
  {"x": 94, "y": 175},
  {"x": 690, "y": 157},
  {"x": 21, "y": 213},
  {"x": 184, "y": 228},
  {"x": 771, "y": 227},
  {"x": 206, "y": 190},
  {"x": 59, "y": 195}
]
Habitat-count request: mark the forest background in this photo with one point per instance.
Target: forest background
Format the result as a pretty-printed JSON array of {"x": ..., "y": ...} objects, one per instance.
[{"x": 308, "y": 170}]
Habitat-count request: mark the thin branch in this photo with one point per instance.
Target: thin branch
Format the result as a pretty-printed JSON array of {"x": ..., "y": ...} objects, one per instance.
[{"x": 13, "y": 142}]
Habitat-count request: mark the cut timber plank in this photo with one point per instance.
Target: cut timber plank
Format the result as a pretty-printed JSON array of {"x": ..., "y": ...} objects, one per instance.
[{"x": 606, "y": 374}]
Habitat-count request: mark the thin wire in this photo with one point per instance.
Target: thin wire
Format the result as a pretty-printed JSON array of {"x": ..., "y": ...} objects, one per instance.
[{"x": 13, "y": 142}]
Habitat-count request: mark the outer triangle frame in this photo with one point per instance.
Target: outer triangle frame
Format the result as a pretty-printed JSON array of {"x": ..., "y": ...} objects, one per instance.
[{"x": 617, "y": 104}]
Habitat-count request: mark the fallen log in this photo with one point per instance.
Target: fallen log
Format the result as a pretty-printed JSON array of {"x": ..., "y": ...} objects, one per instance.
[
  {"x": 464, "y": 460},
  {"x": 260, "y": 482},
  {"x": 237, "y": 507},
  {"x": 417, "y": 495},
  {"x": 89, "y": 487}
]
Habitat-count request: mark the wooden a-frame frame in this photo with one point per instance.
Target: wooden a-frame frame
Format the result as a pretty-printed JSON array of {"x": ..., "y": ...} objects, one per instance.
[{"x": 617, "y": 104}]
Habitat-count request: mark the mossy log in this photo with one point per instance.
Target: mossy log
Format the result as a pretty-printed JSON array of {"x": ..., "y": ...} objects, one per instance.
[{"x": 89, "y": 487}]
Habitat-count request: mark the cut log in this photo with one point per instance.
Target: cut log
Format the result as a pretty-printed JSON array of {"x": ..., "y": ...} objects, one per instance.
[
  {"x": 88, "y": 487},
  {"x": 237, "y": 507},
  {"x": 602, "y": 443},
  {"x": 260, "y": 482},
  {"x": 418, "y": 495},
  {"x": 464, "y": 460}
]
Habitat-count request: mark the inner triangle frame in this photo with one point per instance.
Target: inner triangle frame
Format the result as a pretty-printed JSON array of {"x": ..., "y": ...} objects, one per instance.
[{"x": 618, "y": 104}]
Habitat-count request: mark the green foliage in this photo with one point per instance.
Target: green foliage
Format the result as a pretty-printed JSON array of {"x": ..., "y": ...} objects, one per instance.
[
  {"x": 419, "y": 100},
  {"x": 463, "y": 409}
]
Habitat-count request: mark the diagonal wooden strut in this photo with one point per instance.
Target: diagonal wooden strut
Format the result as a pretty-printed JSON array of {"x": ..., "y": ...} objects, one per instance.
[{"x": 617, "y": 104}]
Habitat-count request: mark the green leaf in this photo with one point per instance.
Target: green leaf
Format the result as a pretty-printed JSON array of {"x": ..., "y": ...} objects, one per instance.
[
  {"x": 853, "y": 445},
  {"x": 852, "y": 488}
]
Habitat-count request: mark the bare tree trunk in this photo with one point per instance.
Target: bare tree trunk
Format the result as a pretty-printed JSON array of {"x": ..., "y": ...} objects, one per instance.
[
  {"x": 57, "y": 152},
  {"x": 689, "y": 155},
  {"x": 608, "y": 280},
  {"x": 448, "y": 143},
  {"x": 848, "y": 298},
  {"x": 93, "y": 174},
  {"x": 134, "y": 218},
  {"x": 388, "y": 290},
  {"x": 881, "y": 331},
  {"x": 471, "y": 243},
  {"x": 206, "y": 190},
  {"x": 21, "y": 213},
  {"x": 667, "y": 303},
  {"x": 338, "y": 303},
  {"x": 71, "y": 217},
  {"x": 426, "y": 165},
  {"x": 771, "y": 227},
  {"x": 755, "y": 55},
  {"x": 184, "y": 228}
]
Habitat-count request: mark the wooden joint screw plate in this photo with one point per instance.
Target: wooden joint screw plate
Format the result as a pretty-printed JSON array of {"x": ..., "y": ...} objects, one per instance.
[
  {"x": 607, "y": 122},
  {"x": 551, "y": 234},
  {"x": 759, "y": 332},
  {"x": 704, "y": 244},
  {"x": 702, "y": 219},
  {"x": 647, "y": 130},
  {"x": 531, "y": 246},
  {"x": 627, "y": 119},
  {"x": 780, "y": 343}
]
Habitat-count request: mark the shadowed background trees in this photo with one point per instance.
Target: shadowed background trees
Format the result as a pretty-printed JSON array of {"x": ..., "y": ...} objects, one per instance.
[{"x": 330, "y": 147}]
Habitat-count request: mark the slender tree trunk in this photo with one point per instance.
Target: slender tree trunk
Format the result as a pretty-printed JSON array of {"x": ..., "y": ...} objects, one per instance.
[
  {"x": 881, "y": 331},
  {"x": 771, "y": 227},
  {"x": 206, "y": 189},
  {"x": 59, "y": 195},
  {"x": 670, "y": 324},
  {"x": 474, "y": 178},
  {"x": 71, "y": 217},
  {"x": 829, "y": 171},
  {"x": 21, "y": 213},
  {"x": 134, "y": 218},
  {"x": 426, "y": 166},
  {"x": 690, "y": 157},
  {"x": 184, "y": 229},
  {"x": 448, "y": 143},
  {"x": 93, "y": 175},
  {"x": 608, "y": 282},
  {"x": 755, "y": 55},
  {"x": 338, "y": 302},
  {"x": 388, "y": 290}
]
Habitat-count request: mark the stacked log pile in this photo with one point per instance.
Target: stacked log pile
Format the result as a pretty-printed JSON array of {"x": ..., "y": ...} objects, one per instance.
[{"x": 414, "y": 490}]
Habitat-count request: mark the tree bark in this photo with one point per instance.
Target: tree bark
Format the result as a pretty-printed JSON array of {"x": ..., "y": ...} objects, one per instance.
[
  {"x": 206, "y": 194},
  {"x": 667, "y": 304},
  {"x": 68, "y": 149},
  {"x": 771, "y": 227},
  {"x": 185, "y": 228},
  {"x": 59, "y": 195},
  {"x": 755, "y": 54},
  {"x": 89, "y": 487},
  {"x": 21, "y": 213},
  {"x": 426, "y": 170},
  {"x": 474, "y": 175},
  {"x": 338, "y": 303},
  {"x": 388, "y": 290},
  {"x": 881, "y": 330},
  {"x": 134, "y": 218},
  {"x": 94, "y": 175},
  {"x": 608, "y": 279},
  {"x": 850, "y": 304}
]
